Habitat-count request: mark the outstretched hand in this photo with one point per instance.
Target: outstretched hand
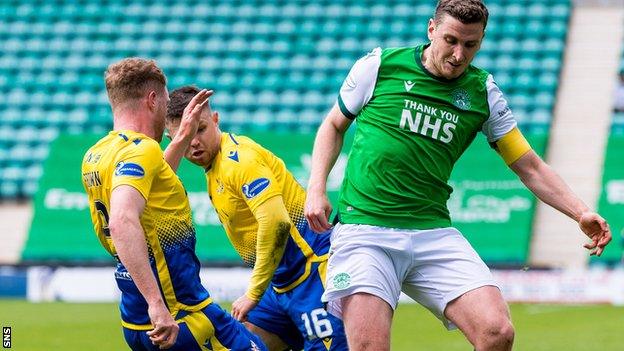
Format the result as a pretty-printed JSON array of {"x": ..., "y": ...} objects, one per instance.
[
  {"x": 317, "y": 211},
  {"x": 192, "y": 114},
  {"x": 241, "y": 307},
  {"x": 165, "y": 330},
  {"x": 597, "y": 229}
]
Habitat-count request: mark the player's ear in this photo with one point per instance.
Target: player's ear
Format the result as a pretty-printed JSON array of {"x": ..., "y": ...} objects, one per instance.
[
  {"x": 430, "y": 29},
  {"x": 215, "y": 117},
  {"x": 151, "y": 100}
]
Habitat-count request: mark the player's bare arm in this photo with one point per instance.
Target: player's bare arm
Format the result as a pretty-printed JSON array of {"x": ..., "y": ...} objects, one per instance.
[
  {"x": 273, "y": 231},
  {"x": 327, "y": 146},
  {"x": 127, "y": 204},
  {"x": 187, "y": 129},
  {"x": 549, "y": 187}
]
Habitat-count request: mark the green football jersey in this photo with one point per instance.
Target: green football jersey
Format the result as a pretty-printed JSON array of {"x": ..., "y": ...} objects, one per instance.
[{"x": 411, "y": 129}]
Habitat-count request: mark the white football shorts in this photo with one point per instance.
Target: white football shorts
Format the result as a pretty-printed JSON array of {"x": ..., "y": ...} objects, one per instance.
[{"x": 433, "y": 267}]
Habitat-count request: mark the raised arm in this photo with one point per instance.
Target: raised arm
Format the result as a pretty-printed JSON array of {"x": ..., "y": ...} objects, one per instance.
[
  {"x": 126, "y": 206},
  {"x": 188, "y": 127},
  {"x": 548, "y": 186},
  {"x": 502, "y": 133},
  {"x": 273, "y": 231},
  {"x": 356, "y": 91},
  {"x": 327, "y": 146}
]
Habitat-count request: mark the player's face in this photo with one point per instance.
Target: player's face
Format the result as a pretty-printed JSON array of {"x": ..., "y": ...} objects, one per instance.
[
  {"x": 206, "y": 143},
  {"x": 453, "y": 46}
]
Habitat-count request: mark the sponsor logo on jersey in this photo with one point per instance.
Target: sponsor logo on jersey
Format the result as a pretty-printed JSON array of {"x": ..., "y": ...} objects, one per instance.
[
  {"x": 327, "y": 342},
  {"x": 233, "y": 155},
  {"x": 461, "y": 99},
  {"x": 408, "y": 85},
  {"x": 429, "y": 121},
  {"x": 254, "y": 188},
  {"x": 123, "y": 276},
  {"x": 129, "y": 169},
  {"x": 342, "y": 281}
]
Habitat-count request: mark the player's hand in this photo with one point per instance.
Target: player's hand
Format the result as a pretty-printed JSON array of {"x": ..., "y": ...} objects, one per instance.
[
  {"x": 165, "y": 330},
  {"x": 317, "y": 211},
  {"x": 597, "y": 229},
  {"x": 242, "y": 306},
  {"x": 192, "y": 114}
]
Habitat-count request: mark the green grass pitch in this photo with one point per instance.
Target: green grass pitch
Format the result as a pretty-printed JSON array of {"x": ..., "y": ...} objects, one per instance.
[{"x": 68, "y": 327}]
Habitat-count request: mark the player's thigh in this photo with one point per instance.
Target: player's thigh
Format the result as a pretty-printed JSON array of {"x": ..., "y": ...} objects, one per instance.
[
  {"x": 139, "y": 341},
  {"x": 271, "y": 340},
  {"x": 367, "y": 320},
  {"x": 445, "y": 267},
  {"x": 320, "y": 330},
  {"x": 478, "y": 311},
  {"x": 274, "y": 326},
  {"x": 214, "y": 328},
  {"x": 366, "y": 259}
]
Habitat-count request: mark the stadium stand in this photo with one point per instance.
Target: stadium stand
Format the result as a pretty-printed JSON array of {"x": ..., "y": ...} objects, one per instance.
[{"x": 275, "y": 66}]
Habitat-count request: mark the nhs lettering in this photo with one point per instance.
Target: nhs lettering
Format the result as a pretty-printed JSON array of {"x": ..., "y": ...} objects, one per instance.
[{"x": 428, "y": 121}]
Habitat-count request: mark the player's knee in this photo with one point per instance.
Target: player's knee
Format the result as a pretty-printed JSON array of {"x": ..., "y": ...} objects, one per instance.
[
  {"x": 368, "y": 344},
  {"x": 496, "y": 336},
  {"x": 363, "y": 338}
]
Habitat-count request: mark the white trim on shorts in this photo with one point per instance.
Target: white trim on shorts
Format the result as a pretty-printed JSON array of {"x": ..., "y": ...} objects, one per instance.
[{"x": 385, "y": 261}]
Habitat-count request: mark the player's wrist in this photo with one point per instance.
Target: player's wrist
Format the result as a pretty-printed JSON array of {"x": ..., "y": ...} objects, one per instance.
[
  {"x": 183, "y": 137},
  {"x": 317, "y": 188},
  {"x": 155, "y": 301},
  {"x": 253, "y": 295},
  {"x": 579, "y": 214}
]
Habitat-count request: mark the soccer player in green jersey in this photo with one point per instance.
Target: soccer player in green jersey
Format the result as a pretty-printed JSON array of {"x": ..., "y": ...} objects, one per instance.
[{"x": 418, "y": 109}]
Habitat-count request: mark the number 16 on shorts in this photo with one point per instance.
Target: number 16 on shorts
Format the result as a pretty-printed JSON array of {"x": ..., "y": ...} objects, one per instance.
[{"x": 317, "y": 320}]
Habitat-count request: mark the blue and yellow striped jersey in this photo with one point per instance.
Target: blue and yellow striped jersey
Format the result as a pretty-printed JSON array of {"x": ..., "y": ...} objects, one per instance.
[
  {"x": 131, "y": 158},
  {"x": 243, "y": 176}
]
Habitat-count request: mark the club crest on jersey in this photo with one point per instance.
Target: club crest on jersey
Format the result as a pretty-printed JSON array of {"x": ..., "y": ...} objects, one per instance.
[
  {"x": 129, "y": 169},
  {"x": 461, "y": 99},
  {"x": 254, "y": 188}
]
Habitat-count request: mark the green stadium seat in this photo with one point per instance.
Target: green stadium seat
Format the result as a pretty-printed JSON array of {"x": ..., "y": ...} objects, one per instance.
[
  {"x": 9, "y": 189},
  {"x": 284, "y": 60}
]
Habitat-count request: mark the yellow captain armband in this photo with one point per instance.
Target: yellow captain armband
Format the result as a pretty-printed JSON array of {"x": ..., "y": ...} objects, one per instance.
[{"x": 512, "y": 146}]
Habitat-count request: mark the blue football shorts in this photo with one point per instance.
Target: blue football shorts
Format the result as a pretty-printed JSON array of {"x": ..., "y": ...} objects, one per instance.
[
  {"x": 211, "y": 328},
  {"x": 298, "y": 316}
]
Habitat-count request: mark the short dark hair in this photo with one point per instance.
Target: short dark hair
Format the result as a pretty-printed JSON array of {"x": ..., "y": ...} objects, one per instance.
[
  {"x": 178, "y": 100},
  {"x": 130, "y": 78},
  {"x": 465, "y": 11}
]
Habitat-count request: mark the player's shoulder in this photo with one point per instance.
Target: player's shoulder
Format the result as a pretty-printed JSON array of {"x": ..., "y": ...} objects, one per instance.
[
  {"x": 238, "y": 151},
  {"x": 477, "y": 73},
  {"x": 395, "y": 50},
  {"x": 140, "y": 144}
]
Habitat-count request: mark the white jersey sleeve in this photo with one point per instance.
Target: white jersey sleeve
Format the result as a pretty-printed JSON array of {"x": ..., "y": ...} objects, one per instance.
[
  {"x": 501, "y": 120},
  {"x": 358, "y": 87}
]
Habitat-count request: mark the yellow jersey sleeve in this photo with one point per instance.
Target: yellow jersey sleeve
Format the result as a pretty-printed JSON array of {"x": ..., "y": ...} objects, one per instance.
[
  {"x": 273, "y": 232},
  {"x": 137, "y": 166},
  {"x": 512, "y": 146}
]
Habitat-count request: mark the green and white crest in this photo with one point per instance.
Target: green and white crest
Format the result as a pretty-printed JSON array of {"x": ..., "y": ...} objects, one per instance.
[
  {"x": 461, "y": 99},
  {"x": 342, "y": 281}
]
